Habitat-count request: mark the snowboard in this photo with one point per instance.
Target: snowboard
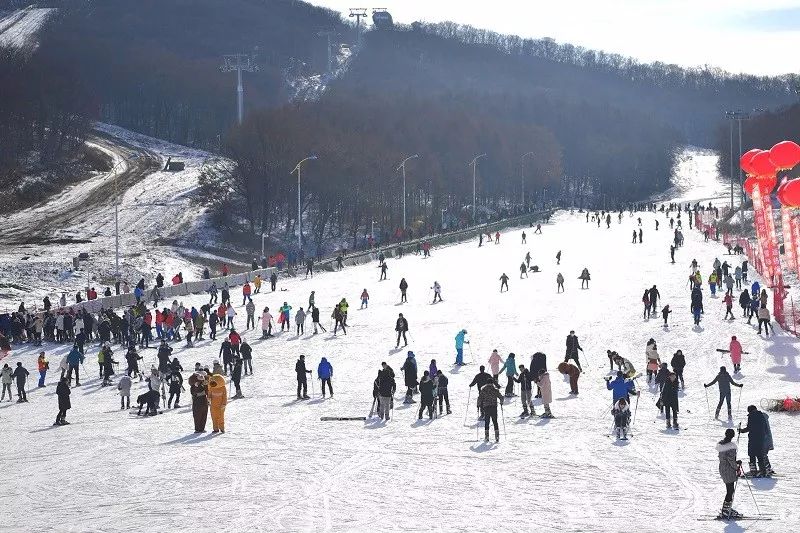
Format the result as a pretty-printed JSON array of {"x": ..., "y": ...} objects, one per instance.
[{"x": 341, "y": 418}]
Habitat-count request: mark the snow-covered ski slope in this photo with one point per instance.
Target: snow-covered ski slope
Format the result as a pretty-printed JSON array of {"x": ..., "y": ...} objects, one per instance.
[
  {"x": 155, "y": 214},
  {"x": 279, "y": 468},
  {"x": 18, "y": 28}
]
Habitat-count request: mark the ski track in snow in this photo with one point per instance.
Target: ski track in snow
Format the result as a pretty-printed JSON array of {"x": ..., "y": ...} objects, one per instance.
[
  {"x": 279, "y": 468},
  {"x": 18, "y": 28}
]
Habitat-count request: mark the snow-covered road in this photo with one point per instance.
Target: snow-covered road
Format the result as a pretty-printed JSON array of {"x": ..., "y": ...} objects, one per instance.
[{"x": 279, "y": 468}]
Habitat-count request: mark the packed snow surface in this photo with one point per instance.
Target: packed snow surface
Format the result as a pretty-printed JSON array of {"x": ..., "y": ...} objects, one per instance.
[
  {"x": 280, "y": 468},
  {"x": 18, "y": 28}
]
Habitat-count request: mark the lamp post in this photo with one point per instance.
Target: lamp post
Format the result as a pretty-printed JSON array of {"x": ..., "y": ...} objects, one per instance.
[
  {"x": 522, "y": 163},
  {"x": 299, "y": 220},
  {"x": 402, "y": 166},
  {"x": 116, "y": 213},
  {"x": 443, "y": 210},
  {"x": 474, "y": 163}
]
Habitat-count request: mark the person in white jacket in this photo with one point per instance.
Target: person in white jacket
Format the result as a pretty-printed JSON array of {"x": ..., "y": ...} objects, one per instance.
[
  {"x": 124, "y": 388},
  {"x": 300, "y": 320}
]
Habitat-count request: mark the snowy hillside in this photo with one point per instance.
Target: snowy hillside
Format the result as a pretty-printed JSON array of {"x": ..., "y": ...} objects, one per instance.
[
  {"x": 155, "y": 215},
  {"x": 279, "y": 468},
  {"x": 18, "y": 28}
]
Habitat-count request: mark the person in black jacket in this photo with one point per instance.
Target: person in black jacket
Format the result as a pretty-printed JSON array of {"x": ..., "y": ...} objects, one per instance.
[
  {"x": 403, "y": 289},
  {"x": 678, "y": 363},
  {"x": 62, "y": 391},
  {"x": 159, "y": 281},
  {"x": 302, "y": 383},
  {"x": 669, "y": 399},
  {"x": 426, "y": 394},
  {"x": 273, "y": 281},
  {"x": 226, "y": 351},
  {"x": 409, "y": 370},
  {"x": 175, "y": 381},
  {"x": 488, "y": 396},
  {"x": 538, "y": 362},
  {"x": 481, "y": 379},
  {"x": 524, "y": 381},
  {"x": 724, "y": 382},
  {"x": 247, "y": 357},
  {"x": 386, "y": 389},
  {"x": 21, "y": 376},
  {"x": 401, "y": 327},
  {"x": 759, "y": 442},
  {"x": 441, "y": 391},
  {"x": 236, "y": 376},
  {"x": 572, "y": 349}
]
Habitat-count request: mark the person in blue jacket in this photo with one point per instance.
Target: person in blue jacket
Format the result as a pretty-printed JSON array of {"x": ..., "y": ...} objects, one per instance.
[
  {"x": 510, "y": 366},
  {"x": 621, "y": 388},
  {"x": 755, "y": 289},
  {"x": 138, "y": 292},
  {"x": 324, "y": 374},
  {"x": 460, "y": 342},
  {"x": 74, "y": 359}
]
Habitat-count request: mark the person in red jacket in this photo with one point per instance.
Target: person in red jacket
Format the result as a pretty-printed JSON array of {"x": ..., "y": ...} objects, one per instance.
[
  {"x": 728, "y": 300},
  {"x": 246, "y": 291},
  {"x": 224, "y": 269},
  {"x": 235, "y": 340},
  {"x": 177, "y": 278}
]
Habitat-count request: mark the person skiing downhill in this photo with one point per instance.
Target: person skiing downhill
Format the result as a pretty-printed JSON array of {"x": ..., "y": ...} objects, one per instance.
[
  {"x": 523, "y": 271},
  {"x": 487, "y": 399},
  {"x": 403, "y": 289},
  {"x": 729, "y": 472},
  {"x": 437, "y": 291},
  {"x": 669, "y": 399},
  {"x": 364, "y": 299},
  {"x": 460, "y": 342},
  {"x": 572, "y": 349},
  {"x": 401, "y": 327},
  {"x": 621, "y": 387},
  {"x": 622, "y": 417},
  {"x": 724, "y": 382},
  {"x": 384, "y": 267},
  {"x": 503, "y": 282},
  {"x": 559, "y": 283}
]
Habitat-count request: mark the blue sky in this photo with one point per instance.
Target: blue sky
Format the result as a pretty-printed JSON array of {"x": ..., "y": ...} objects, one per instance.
[{"x": 753, "y": 36}]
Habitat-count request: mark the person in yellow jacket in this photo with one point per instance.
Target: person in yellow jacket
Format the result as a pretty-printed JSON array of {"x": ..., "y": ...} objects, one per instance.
[
  {"x": 257, "y": 283},
  {"x": 218, "y": 398}
]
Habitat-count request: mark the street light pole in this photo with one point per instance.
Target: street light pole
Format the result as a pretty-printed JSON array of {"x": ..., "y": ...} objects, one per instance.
[
  {"x": 403, "y": 166},
  {"x": 299, "y": 219},
  {"x": 474, "y": 195},
  {"x": 730, "y": 114},
  {"x": 116, "y": 214},
  {"x": 522, "y": 163}
]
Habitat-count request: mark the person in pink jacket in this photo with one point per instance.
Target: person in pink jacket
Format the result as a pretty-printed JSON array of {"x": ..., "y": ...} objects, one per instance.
[
  {"x": 543, "y": 381},
  {"x": 736, "y": 354},
  {"x": 494, "y": 364}
]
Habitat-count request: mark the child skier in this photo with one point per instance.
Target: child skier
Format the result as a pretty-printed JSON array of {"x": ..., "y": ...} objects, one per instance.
[{"x": 622, "y": 418}]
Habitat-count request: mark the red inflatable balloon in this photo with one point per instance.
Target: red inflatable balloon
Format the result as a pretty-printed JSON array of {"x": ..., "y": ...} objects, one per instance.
[
  {"x": 746, "y": 159},
  {"x": 785, "y": 155},
  {"x": 779, "y": 192},
  {"x": 767, "y": 183},
  {"x": 749, "y": 183},
  {"x": 761, "y": 165},
  {"x": 791, "y": 193}
]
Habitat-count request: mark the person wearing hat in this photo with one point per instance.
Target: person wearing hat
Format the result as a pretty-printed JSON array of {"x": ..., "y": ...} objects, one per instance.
[
  {"x": 108, "y": 364},
  {"x": 524, "y": 381},
  {"x": 510, "y": 366},
  {"x": 460, "y": 342},
  {"x": 729, "y": 472},
  {"x": 62, "y": 391},
  {"x": 759, "y": 442},
  {"x": 409, "y": 370},
  {"x": 494, "y": 364},
  {"x": 610, "y": 355},
  {"x": 218, "y": 399},
  {"x": 401, "y": 327},
  {"x": 21, "y": 375},
  {"x": 572, "y": 349},
  {"x": 487, "y": 399},
  {"x": 302, "y": 383},
  {"x": 724, "y": 382},
  {"x": 43, "y": 365}
]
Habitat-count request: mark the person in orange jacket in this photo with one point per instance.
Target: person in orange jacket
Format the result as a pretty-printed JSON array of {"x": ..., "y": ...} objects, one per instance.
[
  {"x": 218, "y": 398},
  {"x": 43, "y": 365}
]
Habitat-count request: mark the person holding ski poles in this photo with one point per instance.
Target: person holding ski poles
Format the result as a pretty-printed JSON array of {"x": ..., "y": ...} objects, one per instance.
[
  {"x": 729, "y": 472},
  {"x": 724, "y": 382},
  {"x": 460, "y": 342},
  {"x": 572, "y": 349}
]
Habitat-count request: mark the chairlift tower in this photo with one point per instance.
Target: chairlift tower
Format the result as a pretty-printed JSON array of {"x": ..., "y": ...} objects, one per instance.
[
  {"x": 328, "y": 34},
  {"x": 239, "y": 63},
  {"x": 358, "y": 13}
]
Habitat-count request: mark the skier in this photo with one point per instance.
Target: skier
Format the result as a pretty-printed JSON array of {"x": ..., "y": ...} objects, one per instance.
[
  {"x": 678, "y": 363},
  {"x": 510, "y": 366},
  {"x": 523, "y": 270},
  {"x": 759, "y": 442},
  {"x": 528, "y": 259},
  {"x": 283, "y": 318},
  {"x": 266, "y": 324},
  {"x": 338, "y": 318},
  {"x": 437, "y": 291},
  {"x": 325, "y": 374},
  {"x": 460, "y": 342},
  {"x": 315, "y": 320},
  {"x": 764, "y": 319},
  {"x": 247, "y": 357},
  {"x": 247, "y": 290},
  {"x": 735, "y": 349},
  {"x": 401, "y": 327},
  {"x": 43, "y": 365},
  {"x": 646, "y": 302},
  {"x": 426, "y": 394},
  {"x": 218, "y": 399},
  {"x": 63, "y": 392},
  {"x": 250, "y": 308},
  {"x": 622, "y": 417},
  {"x": 724, "y": 382},
  {"x": 546, "y": 392},
  {"x": 573, "y": 373},
  {"x": 199, "y": 393},
  {"x": 652, "y": 359},
  {"x": 634, "y": 237},
  {"x": 302, "y": 383},
  {"x": 654, "y": 296},
  {"x": 384, "y": 267},
  {"x": 641, "y": 240},
  {"x": 503, "y": 282},
  {"x": 558, "y": 258},
  {"x": 494, "y": 364},
  {"x": 481, "y": 379},
  {"x": 585, "y": 277},
  {"x": 403, "y": 289},
  {"x": 729, "y": 472},
  {"x": 665, "y": 314},
  {"x": 300, "y": 320},
  {"x": 524, "y": 381},
  {"x": 175, "y": 384},
  {"x": 559, "y": 283},
  {"x": 273, "y": 281},
  {"x": 236, "y": 377},
  {"x": 538, "y": 362},
  {"x": 21, "y": 375},
  {"x": 74, "y": 358},
  {"x": 572, "y": 349},
  {"x": 621, "y": 387},
  {"x": 364, "y": 299},
  {"x": 669, "y": 399},
  {"x": 538, "y": 230},
  {"x": 524, "y": 237},
  {"x": 385, "y": 388},
  {"x": 487, "y": 399}
]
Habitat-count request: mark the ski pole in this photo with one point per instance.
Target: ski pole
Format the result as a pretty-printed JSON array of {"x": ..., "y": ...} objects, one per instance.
[
  {"x": 472, "y": 356},
  {"x": 739, "y": 402},
  {"x": 747, "y": 481},
  {"x": 372, "y": 409},
  {"x": 466, "y": 409},
  {"x": 708, "y": 405},
  {"x": 636, "y": 408},
  {"x": 312, "y": 384},
  {"x": 503, "y": 418}
]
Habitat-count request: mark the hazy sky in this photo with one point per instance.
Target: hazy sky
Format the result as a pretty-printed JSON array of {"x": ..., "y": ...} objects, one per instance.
[{"x": 754, "y": 36}]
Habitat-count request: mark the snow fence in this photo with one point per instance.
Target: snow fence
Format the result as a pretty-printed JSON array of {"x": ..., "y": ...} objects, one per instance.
[{"x": 169, "y": 292}]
